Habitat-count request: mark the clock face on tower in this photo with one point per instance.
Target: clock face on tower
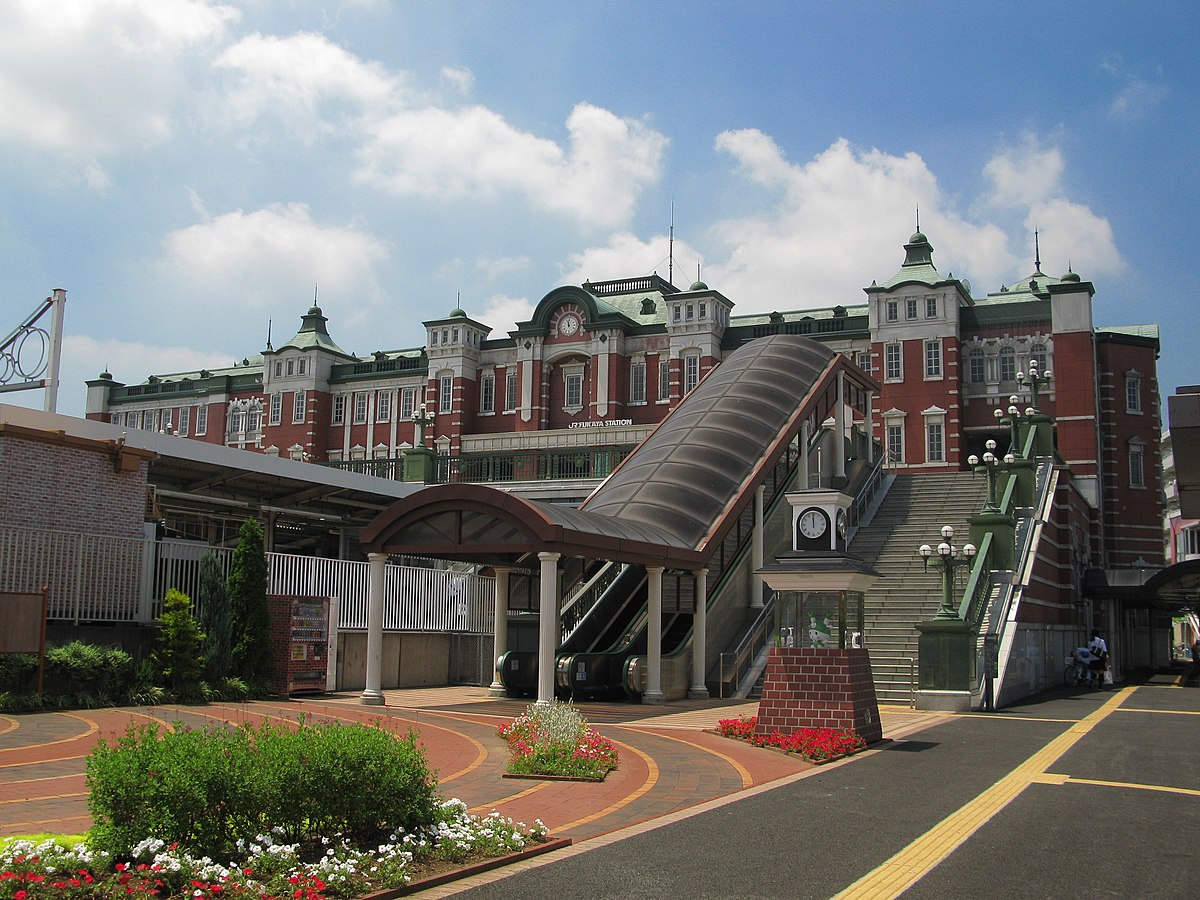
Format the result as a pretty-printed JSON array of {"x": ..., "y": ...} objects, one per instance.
[
  {"x": 568, "y": 324},
  {"x": 813, "y": 523}
]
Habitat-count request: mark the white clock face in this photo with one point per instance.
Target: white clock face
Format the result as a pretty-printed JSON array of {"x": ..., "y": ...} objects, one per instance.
[
  {"x": 568, "y": 325},
  {"x": 813, "y": 523}
]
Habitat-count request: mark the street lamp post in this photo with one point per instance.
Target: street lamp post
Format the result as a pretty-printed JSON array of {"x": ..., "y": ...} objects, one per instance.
[
  {"x": 990, "y": 467},
  {"x": 1035, "y": 381},
  {"x": 948, "y": 558}
]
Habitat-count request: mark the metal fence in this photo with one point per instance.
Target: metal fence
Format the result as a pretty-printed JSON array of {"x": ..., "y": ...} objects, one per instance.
[{"x": 100, "y": 578}]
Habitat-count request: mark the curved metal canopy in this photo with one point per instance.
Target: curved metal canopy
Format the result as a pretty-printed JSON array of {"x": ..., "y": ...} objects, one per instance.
[{"x": 671, "y": 501}]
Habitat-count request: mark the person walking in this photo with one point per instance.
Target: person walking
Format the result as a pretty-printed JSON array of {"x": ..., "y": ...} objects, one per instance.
[{"x": 1098, "y": 647}]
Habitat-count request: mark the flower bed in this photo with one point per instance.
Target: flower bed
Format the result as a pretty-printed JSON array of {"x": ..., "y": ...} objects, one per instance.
[
  {"x": 265, "y": 868},
  {"x": 553, "y": 739},
  {"x": 819, "y": 745}
]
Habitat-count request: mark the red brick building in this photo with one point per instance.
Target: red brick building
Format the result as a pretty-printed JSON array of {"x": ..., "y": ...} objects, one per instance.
[{"x": 597, "y": 365}]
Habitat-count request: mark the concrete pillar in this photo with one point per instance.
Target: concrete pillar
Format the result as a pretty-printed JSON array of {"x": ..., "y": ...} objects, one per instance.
[
  {"x": 870, "y": 428},
  {"x": 756, "y": 548},
  {"x": 699, "y": 690},
  {"x": 653, "y": 693},
  {"x": 372, "y": 695},
  {"x": 499, "y": 631},
  {"x": 547, "y": 626},
  {"x": 839, "y": 416}
]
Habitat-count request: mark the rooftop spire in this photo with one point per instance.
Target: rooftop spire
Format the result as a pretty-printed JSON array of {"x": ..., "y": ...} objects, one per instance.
[{"x": 1037, "y": 254}]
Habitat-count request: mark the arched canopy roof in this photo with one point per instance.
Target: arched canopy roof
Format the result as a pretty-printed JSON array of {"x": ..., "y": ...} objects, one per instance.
[
  {"x": 1177, "y": 587},
  {"x": 671, "y": 501}
]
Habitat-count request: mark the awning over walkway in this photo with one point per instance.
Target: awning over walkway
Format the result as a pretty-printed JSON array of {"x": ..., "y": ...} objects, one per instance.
[{"x": 672, "y": 501}]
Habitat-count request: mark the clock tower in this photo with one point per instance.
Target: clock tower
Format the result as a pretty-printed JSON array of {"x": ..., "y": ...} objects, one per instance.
[{"x": 819, "y": 519}]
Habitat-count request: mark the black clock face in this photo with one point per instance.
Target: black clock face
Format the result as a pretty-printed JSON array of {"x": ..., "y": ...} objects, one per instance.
[{"x": 813, "y": 523}]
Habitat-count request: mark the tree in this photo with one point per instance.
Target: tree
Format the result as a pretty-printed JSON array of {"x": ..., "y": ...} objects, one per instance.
[
  {"x": 247, "y": 590},
  {"x": 178, "y": 650},
  {"x": 215, "y": 618}
]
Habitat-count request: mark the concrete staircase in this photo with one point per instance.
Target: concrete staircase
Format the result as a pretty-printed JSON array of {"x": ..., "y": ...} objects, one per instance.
[{"x": 913, "y": 513}]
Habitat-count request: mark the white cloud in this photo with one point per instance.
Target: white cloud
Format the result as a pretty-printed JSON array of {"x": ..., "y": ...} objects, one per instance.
[
  {"x": 462, "y": 81},
  {"x": 83, "y": 79},
  {"x": 1136, "y": 99},
  {"x": 305, "y": 81},
  {"x": 474, "y": 152},
  {"x": 628, "y": 256},
  {"x": 132, "y": 361},
  {"x": 1024, "y": 175},
  {"x": 501, "y": 313},
  {"x": 256, "y": 258}
]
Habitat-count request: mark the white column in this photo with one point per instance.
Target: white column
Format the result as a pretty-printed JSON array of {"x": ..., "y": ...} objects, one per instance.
[
  {"x": 547, "y": 626},
  {"x": 653, "y": 692},
  {"x": 699, "y": 690},
  {"x": 839, "y": 417},
  {"x": 802, "y": 467},
  {"x": 870, "y": 428},
  {"x": 756, "y": 548},
  {"x": 499, "y": 631},
  {"x": 372, "y": 695}
]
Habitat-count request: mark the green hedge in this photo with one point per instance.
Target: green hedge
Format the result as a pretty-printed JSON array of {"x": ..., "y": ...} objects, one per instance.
[{"x": 208, "y": 789}]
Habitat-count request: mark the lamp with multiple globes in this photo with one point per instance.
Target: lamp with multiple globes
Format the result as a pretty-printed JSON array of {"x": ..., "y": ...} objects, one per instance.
[{"x": 948, "y": 558}]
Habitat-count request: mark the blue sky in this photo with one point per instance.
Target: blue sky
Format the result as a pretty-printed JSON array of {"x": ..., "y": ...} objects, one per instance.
[{"x": 189, "y": 170}]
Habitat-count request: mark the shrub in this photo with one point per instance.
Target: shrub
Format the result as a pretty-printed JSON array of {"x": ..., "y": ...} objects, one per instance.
[
  {"x": 177, "y": 656},
  {"x": 247, "y": 590},
  {"x": 554, "y": 739},
  {"x": 213, "y": 601},
  {"x": 78, "y": 668},
  {"x": 18, "y": 672},
  {"x": 209, "y": 789}
]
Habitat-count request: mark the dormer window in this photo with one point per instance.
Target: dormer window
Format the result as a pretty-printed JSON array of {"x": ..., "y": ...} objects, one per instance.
[
  {"x": 910, "y": 308},
  {"x": 279, "y": 368},
  {"x": 931, "y": 307},
  {"x": 291, "y": 367},
  {"x": 892, "y": 311},
  {"x": 302, "y": 366}
]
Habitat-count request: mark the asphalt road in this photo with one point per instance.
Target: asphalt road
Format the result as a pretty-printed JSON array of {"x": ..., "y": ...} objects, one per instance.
[{"x": 1072, "y": 794}]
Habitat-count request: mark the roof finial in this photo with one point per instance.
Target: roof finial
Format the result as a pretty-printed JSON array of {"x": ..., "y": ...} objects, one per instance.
[
  {"x": 1037, "y": 253},
  {"x": 918, "y": 217},
  {"x": 269, "y": 334},
  {"x": 671, "y": 247}
]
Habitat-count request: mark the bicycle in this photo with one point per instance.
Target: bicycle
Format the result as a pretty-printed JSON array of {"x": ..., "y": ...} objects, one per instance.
[{"x": 1076, "y": 672}]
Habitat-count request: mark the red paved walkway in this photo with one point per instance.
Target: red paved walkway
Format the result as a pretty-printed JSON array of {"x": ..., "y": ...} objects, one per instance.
[{"x": 668, "y": 761}]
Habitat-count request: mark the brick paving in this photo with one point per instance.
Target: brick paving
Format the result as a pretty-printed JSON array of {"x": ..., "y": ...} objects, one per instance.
[{"x": 669, "y": 761}]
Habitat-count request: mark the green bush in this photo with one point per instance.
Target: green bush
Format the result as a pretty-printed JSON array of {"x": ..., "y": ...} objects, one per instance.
[
  {"x": 18, "y": 672},
  {"x": 213, "y": 601},
  {"x": 208, "y": 789},
  {"x": 247, "y": 592},
  {"x": 178, "y": 650}
]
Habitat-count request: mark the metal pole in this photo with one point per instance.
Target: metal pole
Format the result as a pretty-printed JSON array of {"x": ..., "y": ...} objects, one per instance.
[{"x": 56, "y": 327}]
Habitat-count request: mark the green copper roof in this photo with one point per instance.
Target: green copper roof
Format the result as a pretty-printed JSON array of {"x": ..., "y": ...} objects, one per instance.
[
  {"x": 313, "y": 335},
  {"x": 1142, "y": 331}
]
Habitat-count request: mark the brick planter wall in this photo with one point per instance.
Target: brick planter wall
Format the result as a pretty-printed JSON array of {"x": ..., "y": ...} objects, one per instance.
[{"x": 806, "y": 687}]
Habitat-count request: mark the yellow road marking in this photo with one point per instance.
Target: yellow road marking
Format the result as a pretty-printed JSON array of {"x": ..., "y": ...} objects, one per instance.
[
  {"x": 1006, "y": 718},
  {"x": 1163, "y": 712},
  {"x": 651, "y": 780},
  {"x": 12, "y": 725},
  {"x": 45, "y": 797},
  {"x": 916, "y": 860},
  {"x": 1159, "y": 788},
  {"x": 477, "y": 810}
]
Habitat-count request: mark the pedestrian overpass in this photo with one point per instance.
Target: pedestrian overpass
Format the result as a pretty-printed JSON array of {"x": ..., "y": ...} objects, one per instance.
[{"x": 668, "y": 508}]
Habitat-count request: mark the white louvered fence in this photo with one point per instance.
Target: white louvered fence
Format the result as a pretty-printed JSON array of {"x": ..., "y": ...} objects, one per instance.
[{"x": 99, "y": 578}]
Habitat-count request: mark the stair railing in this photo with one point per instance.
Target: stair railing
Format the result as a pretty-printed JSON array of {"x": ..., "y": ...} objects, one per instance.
[{"x": 735, "y": 662}]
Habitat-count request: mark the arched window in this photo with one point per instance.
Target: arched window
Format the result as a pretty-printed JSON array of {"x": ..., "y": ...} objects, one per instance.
[{"x": 1038, "y": 352}]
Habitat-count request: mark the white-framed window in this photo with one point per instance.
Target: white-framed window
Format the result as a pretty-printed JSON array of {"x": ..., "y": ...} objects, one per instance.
[
  {"x": 691, "y": 312},
  {"x": 691, "y": 372},
  {"x": 935, "y": 434},
  {"x": 1187, "y": 543},
  {"x": 275, "y": 414},
  {"x": 1038, "y": 352},
  {"x": 895, "y": 442},
  {"x": 933, "y": 359},
  {"x": 573, "y": 387},
  {"x": 664, "y": 379},
  {"x": 975, "y": 368},
  {"x": 302, "y": 366},
  {"x": 360, "y": 408},
  {"x": 893, "y": 362},
  {"x": 487, "y": 393},
  {"x": 166, "y": 420},
  {"x": 185, "y": 415},
  {"x": 910, "y": 308},
  {"x": 202, "y": 419},
  {"x": 339, "y": 409},
  {"x": 1137, "y": 463},
  {"x": 703, "y": 311},
  {"x": 291, "y": 367},
  {"x": 1008, "y": 364},
  {"x": 1133, "y": 393},
  {"x": 299, "y": 403},
  {"x": 935, "y": 441},
  {"x": 637, "y": 381},
  {"x": 892, "y": 313},
  {"x": 253, "y": 419},
  {"x": 237, "y": 422},
  {"x": 433, "y": 336},
  {"x": 278, "y": 368},
  {"x": 383, "y": 406},
  {"x": 864, "y": 360},
  {"x": 678, "y": 314},
  {"x": 931, "y": 307},
  {"x": 445, "y": 393},
  {"x": 510, "y": 391},
  {"x": 408, "y": 403}
]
